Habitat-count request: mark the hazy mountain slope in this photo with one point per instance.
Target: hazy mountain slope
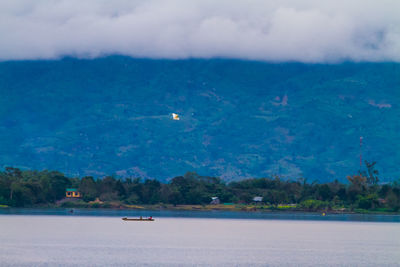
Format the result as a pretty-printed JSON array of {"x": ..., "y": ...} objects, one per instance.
[{"x": 238, "y": 119}]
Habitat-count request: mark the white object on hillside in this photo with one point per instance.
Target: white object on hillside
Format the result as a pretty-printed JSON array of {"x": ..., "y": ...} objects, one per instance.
[
  {"x": 257, "y": 199},
  {"x": 175, "y": 116}
]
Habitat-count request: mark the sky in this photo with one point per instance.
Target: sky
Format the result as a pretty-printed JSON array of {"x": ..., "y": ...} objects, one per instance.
[{"x": 310, "y": 31}]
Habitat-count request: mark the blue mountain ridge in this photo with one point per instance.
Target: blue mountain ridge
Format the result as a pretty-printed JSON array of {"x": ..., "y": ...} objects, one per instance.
[{"x": 238, "y": 119}]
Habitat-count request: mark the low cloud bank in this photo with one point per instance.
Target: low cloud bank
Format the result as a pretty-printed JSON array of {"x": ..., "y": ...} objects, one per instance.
[{"x": 311, "y": 31}]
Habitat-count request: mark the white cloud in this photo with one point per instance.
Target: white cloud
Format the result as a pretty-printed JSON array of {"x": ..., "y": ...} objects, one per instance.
[{"x": 291, "y": 30}]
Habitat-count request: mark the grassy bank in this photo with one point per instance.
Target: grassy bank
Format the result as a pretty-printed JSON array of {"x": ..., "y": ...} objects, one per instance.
[{"x": 219, "y": 207}]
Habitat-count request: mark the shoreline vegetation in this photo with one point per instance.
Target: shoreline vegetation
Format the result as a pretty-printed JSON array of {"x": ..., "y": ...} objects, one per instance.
[
  {"x": 247, "y": 208},
  {"x": 47, "y": 189}
]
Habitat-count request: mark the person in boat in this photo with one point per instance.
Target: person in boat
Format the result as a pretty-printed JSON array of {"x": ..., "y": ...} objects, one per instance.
[{"x": 151, "y": 218}]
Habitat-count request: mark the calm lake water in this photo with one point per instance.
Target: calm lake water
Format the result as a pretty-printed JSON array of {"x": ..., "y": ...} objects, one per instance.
[{"x": 56, "y": 240}]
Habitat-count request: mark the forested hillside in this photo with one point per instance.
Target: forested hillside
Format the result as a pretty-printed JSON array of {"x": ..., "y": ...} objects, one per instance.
[{"x": 238, "y": 119}]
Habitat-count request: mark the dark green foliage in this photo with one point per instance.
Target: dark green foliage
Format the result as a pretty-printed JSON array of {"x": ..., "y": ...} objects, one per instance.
[
  {"x": 371, "y": 173},
  {"x": 324, "y": 192},
  {"x": 314, "y": 204},
  {"x": 24, "y": 188},
  {"x": 58, "y": 184},
  {"x": 367, "y": 202},
  {"x": 88, "y": 188},
  {"x": 31, "y": 188},
  {"x": 151, "y": 192},
  {"x": 194, "y": 189}
]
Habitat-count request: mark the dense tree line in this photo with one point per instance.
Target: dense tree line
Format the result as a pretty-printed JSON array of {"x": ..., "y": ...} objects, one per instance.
[{"x": 363, "y": 191}]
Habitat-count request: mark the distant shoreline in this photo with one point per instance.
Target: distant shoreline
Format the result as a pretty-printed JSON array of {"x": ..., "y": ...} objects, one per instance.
[
  {"x": 242, "y": 208},
  {"x": 192, "y": 192},
  {"x": 158, "y": 214}
]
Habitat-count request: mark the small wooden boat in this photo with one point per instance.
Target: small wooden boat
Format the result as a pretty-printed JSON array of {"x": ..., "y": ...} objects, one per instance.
[{"x": 138, "y": 219}]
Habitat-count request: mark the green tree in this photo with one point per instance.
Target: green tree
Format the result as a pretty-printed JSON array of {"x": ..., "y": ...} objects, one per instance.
[
  {"x": 367, "y": 202},
  {"x": 371, "y": 174},
  {"x": 58, "y": 184},
  {"x": 88, "y": 188}
]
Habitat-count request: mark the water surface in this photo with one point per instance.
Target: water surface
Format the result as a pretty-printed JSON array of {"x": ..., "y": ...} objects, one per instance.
[
  {"x": 262, "y": 215},
  {"x": 33, "y": 240}
]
